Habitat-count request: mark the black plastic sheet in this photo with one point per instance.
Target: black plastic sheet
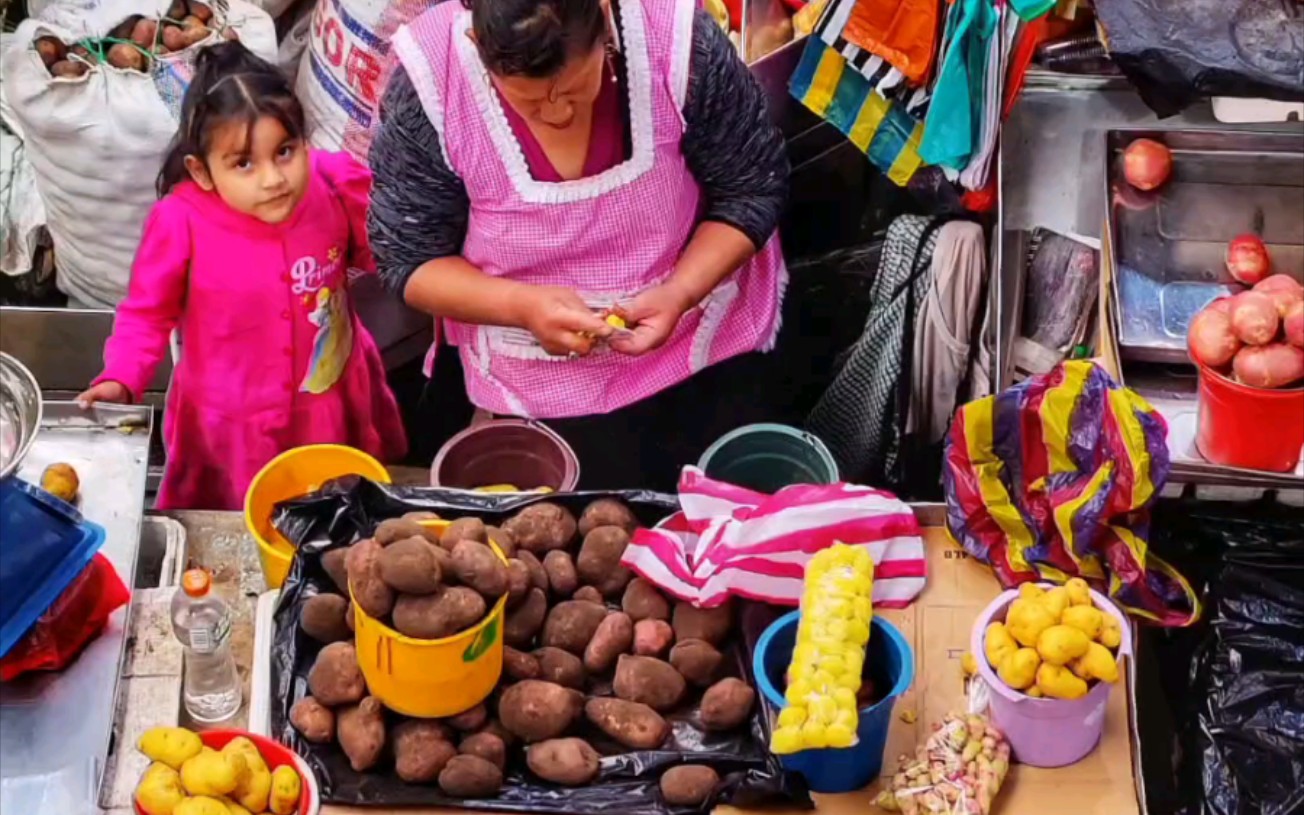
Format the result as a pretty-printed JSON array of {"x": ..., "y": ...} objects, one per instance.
[
  {"x": 349, "y": 507},
  {"x": 1176, "y": 51},
  {"x": 1221, "y": 704}
]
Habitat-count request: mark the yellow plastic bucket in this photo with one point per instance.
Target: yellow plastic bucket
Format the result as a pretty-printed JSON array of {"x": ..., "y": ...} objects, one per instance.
[
  {"x": 431, "y": 679},
  {"x": 291, "y": 474}
]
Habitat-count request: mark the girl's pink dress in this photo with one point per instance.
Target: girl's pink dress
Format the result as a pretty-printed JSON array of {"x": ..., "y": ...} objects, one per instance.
[{"x": 273, "y": 355}]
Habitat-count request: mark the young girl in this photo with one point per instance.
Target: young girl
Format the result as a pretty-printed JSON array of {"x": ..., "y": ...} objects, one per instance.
[{"x": 248, "y": 253}]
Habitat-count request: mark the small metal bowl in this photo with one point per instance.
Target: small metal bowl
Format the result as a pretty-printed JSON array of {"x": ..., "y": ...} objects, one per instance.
[{"x": 20, "y": 413}]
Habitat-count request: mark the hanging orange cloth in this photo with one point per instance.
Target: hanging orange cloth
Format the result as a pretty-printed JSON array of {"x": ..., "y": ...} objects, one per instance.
[{"x": 903, "y": 32}]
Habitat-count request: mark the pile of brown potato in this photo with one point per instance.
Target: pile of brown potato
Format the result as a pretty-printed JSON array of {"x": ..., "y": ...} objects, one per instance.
[
  {"x": 577, "y": 621},
  {"x": 133, "y": 42}
]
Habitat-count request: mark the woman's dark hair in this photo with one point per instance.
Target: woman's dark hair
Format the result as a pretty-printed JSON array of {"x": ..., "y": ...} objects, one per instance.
[
  {"x": 230, "y": 85},
  {"x": 534, "y": 37}
]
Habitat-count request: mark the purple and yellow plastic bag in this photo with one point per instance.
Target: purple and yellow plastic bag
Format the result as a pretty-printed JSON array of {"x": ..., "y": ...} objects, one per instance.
[{"x": 1054, "y": 478}]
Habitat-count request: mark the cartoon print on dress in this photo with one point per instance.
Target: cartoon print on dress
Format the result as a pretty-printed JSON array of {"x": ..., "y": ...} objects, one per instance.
[{"x": 333, "y": 342}]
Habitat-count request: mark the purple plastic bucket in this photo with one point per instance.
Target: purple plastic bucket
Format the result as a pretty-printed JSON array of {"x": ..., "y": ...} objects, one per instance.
[
  {"x": 527, "y": 455},
  {"x": 1046, "y": 732}
]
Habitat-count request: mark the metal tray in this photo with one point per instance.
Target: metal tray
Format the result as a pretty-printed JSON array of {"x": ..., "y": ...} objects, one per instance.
[{"x": 1169, "y": 245}]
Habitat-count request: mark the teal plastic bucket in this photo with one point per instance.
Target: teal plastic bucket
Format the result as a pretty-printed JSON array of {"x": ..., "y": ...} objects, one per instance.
[{"x": 768, "y": 457}]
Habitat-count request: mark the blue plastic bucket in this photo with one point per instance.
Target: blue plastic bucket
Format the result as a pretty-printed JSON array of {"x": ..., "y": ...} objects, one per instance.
[
  {"x": 768, "y": 457},
  {"x": 889, "y": 659}
]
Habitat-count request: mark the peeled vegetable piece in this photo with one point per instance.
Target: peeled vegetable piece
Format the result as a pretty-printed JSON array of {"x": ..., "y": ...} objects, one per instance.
[
  {"x": 477, "y": 566},
  {"x": 438, "y": 615},
  {"x": 614, "y": 637},
  {"x": 159, "y": 790},
  {"x": 607, "y": 512},
  {"x": 570, "y": 625},
  {"x": 710, "y": 624},
  {"x": 412, "y": 566},
  {"x": 1147, "y": 164},
  {"x": 649, "y": 681},
  {"x": 361, "y": 731},
  {"x": 335, "y": 678},
  {"x": 569, "y": 762},
  {"x": 1254, "y": 318},
  {"x": 634, "y": 725},
  {"x": 598, "y": 562},
  {"x": 727, "y": 704},
  {"x": 534, "y": 710},
  {"x": 1269, "y": 366},
  {"x": 1210, "y": 339},
  {"x": 421, "y": 751},
  {"x": 542, "y": 527},
  {"x": 470, "y": 777},
  {"x": 322, "y": 618},
  {"x": 170, "y": 746},
  {"x": 688, "y": 785},
  {"x": 697, "y": 661}
]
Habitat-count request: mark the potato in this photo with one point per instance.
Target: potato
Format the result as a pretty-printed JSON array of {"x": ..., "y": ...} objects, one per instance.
[
  {"x": 254, "y": 787},
  {"x": 598, "y": 562},
  {"x": 697, "y": 661},
  {"x": 322, "y": 618},
  {"x": 1018, "y": 669},
  {"x": 469, "y": 720},
  {"x": 213, "y": 773},
  {"x": 463, "y": 529},
  {"x": 174, "y": 39},
  {"x": 710, "y": 624},
  {"x": 727, "y": 704},
  {"x": 204, "y": 13},
  {"x": 538, "y": 575},
  {"x": 235, "y": 807},
  {"x": 170, "y": 746},
  {"x": 1096, "y": 663},
  {"x": 614, "y": 637},
  {"x": 496, "y": 727},
  {"x": 60, "y": 480},
  {"x": 525, "y": 621},
  {"x": 314, "y": 721},
  {"x": 688, "y": 785},
  {"x": 642, "y": 601},
  {"x": 486, "y": 746},
  {"x": 370, "y": 591},
  {"x": 1058, "y": 682},
  {"x": 349, "y": 620},
  {"x": 503, "y": 538},
  {"x": 334, "y": 564},
  {"x": 560, "y": 569},
  {"x": 416, "y": 515},
  {"x": 435, "y": 616},
  {"x": 518, "y": 581},
  {"x": 177, "y": 10},
  {"x": 69, "y": 69},
  {"x": 51, "y": 50},
  {"x": 144, "y": 32},
  {"x": 126, "y": 56},
  {"x": 561, "y": 667},
  {"x": 335, "y": 678},
  {"x": 411, "y": 566},
  {"x": 649, "y": 681},
  {"x": 421, "y": 750},
  {"x": 1061, "y": 644},
  {"x": 476, "y": 565},
  {"x": 652, "y": 637},
  {"x": 589, "y": 595},
  {"x": 159, "y": 790},
  {"x": 286, "y": 787},
  {"x": 542, "y": 527},
  {"x": 398, "y": 529},
  {"x": 518, "y": 665},
  {"x": 569, "y": 762},
  {"x": 201, "y": 805},
  {"x": 361, "y": 730},
  {"x": 470, "y": 777},
  {"x": 607, "y": 512},
  {"x": 1087, "y": 619},
  {"x": 634, "y": 725},
  {"x": 571, "y": 624},
  {"x": 534, "y": 710}
]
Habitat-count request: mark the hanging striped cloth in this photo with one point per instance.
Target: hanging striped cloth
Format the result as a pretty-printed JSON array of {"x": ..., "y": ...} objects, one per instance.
[{"x": 731, "y": 541}]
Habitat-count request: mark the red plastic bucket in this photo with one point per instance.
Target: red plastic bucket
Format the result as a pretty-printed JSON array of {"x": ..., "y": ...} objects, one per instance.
[{"x": 1253, "y": 428}]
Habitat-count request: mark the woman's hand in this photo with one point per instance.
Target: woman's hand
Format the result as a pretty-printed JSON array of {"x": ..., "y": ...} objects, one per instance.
[
  {"x": 108, "y": 391},
  {"x": 652, "y": 316},
  {"x": 559, "y": 320}
]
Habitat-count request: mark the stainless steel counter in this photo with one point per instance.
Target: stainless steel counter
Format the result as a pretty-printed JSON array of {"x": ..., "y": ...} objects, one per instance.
[{"x": 55, "y": 729}]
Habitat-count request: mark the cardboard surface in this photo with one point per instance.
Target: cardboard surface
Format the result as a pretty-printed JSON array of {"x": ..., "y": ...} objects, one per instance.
[{"x": 938, "y": 625}]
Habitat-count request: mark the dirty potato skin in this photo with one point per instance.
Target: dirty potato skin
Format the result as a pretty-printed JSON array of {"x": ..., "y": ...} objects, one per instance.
[
  {"x": 477, "y": 566},
  {"x": 506, "y": 543},
  {"x": 710, "y": 624},
  {"x": 323, "y": 618},
  {"x": 615, "y": 636},
  {"x": 464, "y": 529},
  {"x": 569, "y": 762},
  {"x": 397, "y": 529},
  {"x": 589, "y": 595},
  {"x": 370, "y": 591},
  {"x": 598, "y": 562},
  {"x": 470, "y": 777},
  {"x": 438, "y": 615},
  {"x": 632, "y": 724},
  {"x": 571, "y": 624},
  {"x": 411, "y": 566},
  {"x": 314, "y": 721},
  {"x": 518, "y": 665},
  {"x": 648, "y": 681},
  {"x": 607, "y": 512},
  {"x": 469, "y": 720},
  {"x": 697, "y": 660},
  {"x": 333, "y": 562},
  {"x": 524, "y": 622},
  {"x": 560, "y": 569},
  {"x": 518, "y": 581},
  {"x": 642, "y": 601},
  {"x": 727, "y": 704},
  {"x": 688, "y": 785},
  {"x": 486, "y": 746},
  {"x": 561, "y": 667},
  {"x": 335, "y": 678},
  {"x": 421, "y": 751},
  {"x": 361, "y": 730},
  {"x": 538, "y": 575},
  {"x": 542, "y": 527},
  {"x": 534, "y": 710}
]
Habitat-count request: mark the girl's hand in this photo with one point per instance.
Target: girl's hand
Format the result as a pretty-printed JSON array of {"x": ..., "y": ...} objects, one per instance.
[
  {"x": 560, "y": 320},
  {"x": 651, "y": 316},
  {"x": 104, "y": 392}
]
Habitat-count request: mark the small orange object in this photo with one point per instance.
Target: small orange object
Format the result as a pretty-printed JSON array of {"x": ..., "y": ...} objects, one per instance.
[
  {"x": 196, "y": 582},
  {"x": 903, "y": 32}
]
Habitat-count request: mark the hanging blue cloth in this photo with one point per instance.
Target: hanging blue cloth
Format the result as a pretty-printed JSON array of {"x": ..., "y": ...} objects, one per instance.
[{"x": 952, "y": 127}]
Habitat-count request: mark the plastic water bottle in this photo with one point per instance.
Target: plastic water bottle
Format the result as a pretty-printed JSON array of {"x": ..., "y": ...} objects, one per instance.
[{"x": 202, "y": 621}]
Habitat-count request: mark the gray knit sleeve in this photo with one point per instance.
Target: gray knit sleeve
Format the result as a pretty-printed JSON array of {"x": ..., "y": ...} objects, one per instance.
[
  {"x": 418, "y": 204},
  {"x": 732, "y": 148}
]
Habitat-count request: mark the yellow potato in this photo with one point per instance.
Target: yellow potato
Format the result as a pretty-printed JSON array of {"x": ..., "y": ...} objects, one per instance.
[
  {"x": 1056, "y": 600},
  {"x": 998, "y": 644},
  {"x": 1026, "y": 619},
  {"x": 1019, "y": 669},
  {"x": 1060, "y": 644},
  {"x": 1086, "y": 619},
  {"x": 1096, "y": 663},
  {"x": 968, "y": 664},
  {"x": 1058, "y": 682},
  {"x": 254, "y": 786},
  {"x": 201, "y": 805},
  {"x": 159, "y": 790},
  {"x": 1030, "y": 591},
  {"x": 285, "y": 790},
  {"x": 170, "y": 745},
  {"x": 1034, "y": 692},
  {"x": 60, "y": 480},
  {"x": 1079, "y": 591},
  {"x": 1111, "y": 635},
  {"x": 213, "y": 774},
  {"x": 235, "y": 808}
]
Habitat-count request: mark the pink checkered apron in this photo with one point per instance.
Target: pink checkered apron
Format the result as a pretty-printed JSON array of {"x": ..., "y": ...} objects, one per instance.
[{"x": 608, "y": 236}]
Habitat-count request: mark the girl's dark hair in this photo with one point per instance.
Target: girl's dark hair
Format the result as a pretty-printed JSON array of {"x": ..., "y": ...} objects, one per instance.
[
  {"x": 534, "y": 37},
  {"x": 230, "y": 85}
]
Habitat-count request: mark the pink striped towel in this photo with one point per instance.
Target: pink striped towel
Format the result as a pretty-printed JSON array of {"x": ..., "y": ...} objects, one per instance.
[{"x": 730, "y": 540}]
